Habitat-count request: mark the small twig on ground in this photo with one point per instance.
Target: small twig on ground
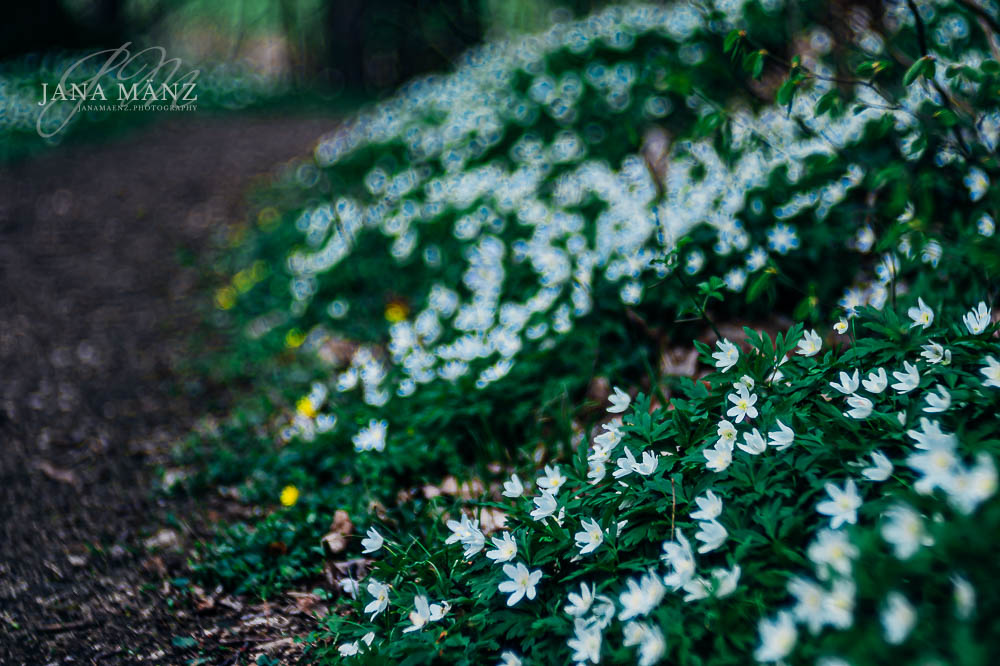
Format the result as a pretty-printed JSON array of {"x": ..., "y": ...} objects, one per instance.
[
  {"x": 66, "y": 626},
  {"x": 673, "y": 507},
  {"x": 108, "y": 653}
]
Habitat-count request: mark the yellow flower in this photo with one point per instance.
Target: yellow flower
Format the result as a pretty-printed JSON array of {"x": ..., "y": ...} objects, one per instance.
[
  {"x": 243, "y": 280},
  {"x": 289, "y": 495},
  {"x": 396, "y": 312},
  {"x": 267, "y": 218},
  {"x": 225, "y": 298},
  {"x": 306, "y": 408},
  {"x": 294, "y": 338}
]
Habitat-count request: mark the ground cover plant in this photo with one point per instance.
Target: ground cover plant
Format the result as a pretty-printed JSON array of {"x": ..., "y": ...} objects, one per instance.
[{"x": 459, "y": 329}]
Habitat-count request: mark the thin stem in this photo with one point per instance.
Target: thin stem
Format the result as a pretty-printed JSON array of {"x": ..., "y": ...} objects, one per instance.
[
  {"x": 922, "y": 42},
  {"x": 701, "y": 309}
]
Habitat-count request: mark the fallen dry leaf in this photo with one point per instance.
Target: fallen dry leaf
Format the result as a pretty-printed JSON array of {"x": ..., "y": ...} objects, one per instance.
[
  {"x": 680, "y": 362},
  {"x": 164, "y": 538},
  {"x": 340, "y": 530},
  {"x": 59, "y": 474}
]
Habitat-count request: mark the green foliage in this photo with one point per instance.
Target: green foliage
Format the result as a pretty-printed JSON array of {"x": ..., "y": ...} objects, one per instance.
[{"x": 444, "y": 298}]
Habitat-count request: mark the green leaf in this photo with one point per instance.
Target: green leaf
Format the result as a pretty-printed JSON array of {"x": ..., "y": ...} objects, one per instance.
[
  {"x": 828, "y": 102},
  {"x": 786, "y": 93},
  {"x": 759, "y": 285},
  {"x": 732, "y": 39},
  {"x": 924, "y": 67},
  {"x": 758, "y": 65}
]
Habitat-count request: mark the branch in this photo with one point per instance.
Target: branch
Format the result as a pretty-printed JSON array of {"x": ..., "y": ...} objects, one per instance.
[{"x": 982, "y": 14}]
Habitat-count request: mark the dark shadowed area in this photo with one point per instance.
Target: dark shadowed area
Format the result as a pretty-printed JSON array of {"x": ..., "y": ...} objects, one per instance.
[{"x": 96, "y": 305}]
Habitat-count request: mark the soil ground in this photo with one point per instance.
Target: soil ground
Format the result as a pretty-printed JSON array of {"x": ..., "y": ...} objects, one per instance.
[{"x": 95, "y": 313}]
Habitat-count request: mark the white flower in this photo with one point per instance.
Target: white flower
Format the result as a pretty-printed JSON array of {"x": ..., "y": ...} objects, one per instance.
[
  {"x": 930, "y": 437},
  {"x": 937, "y": 469},
  {"x": 641, "y": 596},
  {"x": 586, "y": 642},
  {"x": 810, "y": 344},
  {"x": 908, "y": 379},
  {"x": 650, "y": 461},
  {"x": 842, "y": 507},
  {"x": 648, "y": 638},
  {"x": 505, "y": 548},
  {"x": 725, "y": 581},
  {"x": 626, "y": 464},
  {"x": 475, "y": 543},
  {"x": 992, "y": 372},
  {"x": 781, "y": 438},
  {"x": 903, "y": 529},
  {"x": 596, "y": 471},
  {"x": 604, "y": 611},
  {"x": 727, "y": 356},
  {"x": 727, "y": 433},
  {"x": 808, "y": 607},
  {"x": 590, "y": 538},
  {"x": 545, "y": 505},
  {"x": 424, "y": 613},
  {"x": 977, "y": 182},
  {"x": 350, "y": 587},
  {"x": 935, "y": 354},
  {"x": 371, "y": 437},
  {"x": 579, "y": 604},
  {"x": 380, "y": 592},
  {"x": 709, "y": 507},
  {"x": 777, "y": 638},
  {"x": 619, "y": 401},
  {"x": 697, "y": 589},
  {"x": 348, "y": 649},
  {"x": 372, "y": 542},
  {"x": 508, "y": 658},
  {"x": 881, "y": 470},
  {"x": 679, "y": 557},
  {"x": 513, "y": 488},
  {"x": 939, "y": 402},
  {"x": 876, "y": 381},
  {"x": 743, "y": 405},
  {"x": 968, "y": 488},
  {"x": 468, "y": 533},
  {"x": 921, "y": 314},
  {"x": 521, "y": 584},
  {"x": 832, "y": 550},
  {"x": 611, "y": 436},
  {"x": 965, "y": 597},
  {"x": 838, "y": 604},
  {"x": 753, "y": 443},
  {"x": 651, "y": 647},
  {"x": 745, "y": 380},
  {"x": 552, "y": 480},
  {"x": 898, "y": 618},
  {"x": 937, "y": 462},
  {"x": 840, "y": 327},
  {"x": 977, "y": 319},
  {"x": 718, "y": 457},
  {"x": 712, "y": 533},
  {"x": 861, "y": 407},
  {"x": 600, "y": 453},
  {"x": 848, "y": 383},
  {"x": 351, "y": 649},
  {"x": 633, "y": 632}
]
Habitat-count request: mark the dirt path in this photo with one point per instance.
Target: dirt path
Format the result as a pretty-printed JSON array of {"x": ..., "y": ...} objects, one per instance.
[{"x": 94, "y": 313}]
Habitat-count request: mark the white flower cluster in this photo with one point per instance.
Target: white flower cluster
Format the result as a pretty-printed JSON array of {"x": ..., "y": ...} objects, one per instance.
[{"x": 456, "y": 179}]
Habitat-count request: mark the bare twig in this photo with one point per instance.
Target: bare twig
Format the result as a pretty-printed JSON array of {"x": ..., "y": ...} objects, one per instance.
[
  {"x": 673, "y": 507},
  {"x": 65, "y": 626}
]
